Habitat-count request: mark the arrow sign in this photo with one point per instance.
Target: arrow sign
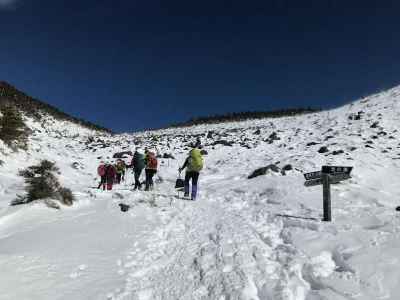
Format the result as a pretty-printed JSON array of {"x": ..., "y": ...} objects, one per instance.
[
  {"x": 313, "y": 182},
  {"x": 312, "y": 175},
  {"x": 333, "y": 179}
]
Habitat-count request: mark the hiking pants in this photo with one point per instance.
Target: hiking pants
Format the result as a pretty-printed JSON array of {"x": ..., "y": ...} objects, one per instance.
[
  {"x": 138, "y": 172},
  {"x": 102, "y": 182},
  {"x": 110, "y": 182},
  {"x": 194, "y": 176},
  {"x": 149, "y": 178},
  {"x": 119, "y": 176}
]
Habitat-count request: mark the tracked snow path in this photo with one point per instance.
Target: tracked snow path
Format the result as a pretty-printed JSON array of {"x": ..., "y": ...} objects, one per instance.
[{"x": 216, "y": 249}]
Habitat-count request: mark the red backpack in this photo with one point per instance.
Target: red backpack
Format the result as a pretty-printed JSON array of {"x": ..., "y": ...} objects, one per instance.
[
  {"x": 101, "y": 170},
  {"x": 152, "y": 162}
]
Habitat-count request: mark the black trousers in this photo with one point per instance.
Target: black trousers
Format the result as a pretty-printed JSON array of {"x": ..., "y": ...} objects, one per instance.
[
  {"x": 119, "y": 176},
  {"x": 102, "y": 182},
  {"x": 194, "y": 176},
  {"x": 138, "y": 172},
  {"x": 149, "y": 178}
]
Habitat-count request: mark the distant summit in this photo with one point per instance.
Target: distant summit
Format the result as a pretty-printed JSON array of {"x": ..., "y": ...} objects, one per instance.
[{"x": 9, "y": 95}]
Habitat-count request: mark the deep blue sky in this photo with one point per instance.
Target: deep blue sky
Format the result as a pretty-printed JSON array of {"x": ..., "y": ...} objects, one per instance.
[{"x": 130, "y": 64}]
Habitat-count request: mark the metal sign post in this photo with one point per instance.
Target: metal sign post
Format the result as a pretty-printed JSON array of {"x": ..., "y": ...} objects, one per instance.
[
  {"x": 327, "y": 176},
  {"x": 326, "y": 188}
]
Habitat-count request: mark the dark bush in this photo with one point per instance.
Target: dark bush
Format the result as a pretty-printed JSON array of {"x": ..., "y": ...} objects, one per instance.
[
  {"x": 43, "y": 184},
  {"x": 13, "y": 131}
]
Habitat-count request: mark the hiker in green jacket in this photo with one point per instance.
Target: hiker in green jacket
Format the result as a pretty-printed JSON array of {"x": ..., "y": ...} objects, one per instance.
[
  {"x": 120, "y": 168},
  {"x": 193, "y": 164}
]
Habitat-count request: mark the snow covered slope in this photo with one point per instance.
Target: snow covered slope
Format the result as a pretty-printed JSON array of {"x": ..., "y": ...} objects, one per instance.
[{"x": 258, "y": 238}]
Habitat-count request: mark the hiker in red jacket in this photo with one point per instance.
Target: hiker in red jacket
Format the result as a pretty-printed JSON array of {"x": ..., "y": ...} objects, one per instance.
[
  {"x": 110, "y": 176},
  {"x": 101, "y": 171},
  {"x": 151, "y": 168}
]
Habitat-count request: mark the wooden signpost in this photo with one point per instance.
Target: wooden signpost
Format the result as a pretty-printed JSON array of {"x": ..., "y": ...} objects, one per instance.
[{"x": 327, "y": 176}]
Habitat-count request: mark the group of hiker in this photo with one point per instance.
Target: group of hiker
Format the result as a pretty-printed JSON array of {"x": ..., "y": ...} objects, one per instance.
[{"x": 111, "y": 174}]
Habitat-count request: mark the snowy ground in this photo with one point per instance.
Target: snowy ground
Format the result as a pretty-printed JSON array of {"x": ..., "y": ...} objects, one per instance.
[{"x": 243, "y": 239}]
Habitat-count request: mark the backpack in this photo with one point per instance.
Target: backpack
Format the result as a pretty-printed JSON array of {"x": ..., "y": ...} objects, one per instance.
[
  {"x": 152, "y": 162},
  {"x": 110, "y": 171},
  {"x": 101, "y": 170},
  {"x": 120, "y": 166},
  {"x": 195, "y": 160},
  {"x": 179, "y": 184},
  {"x": 138, "y": 161}
]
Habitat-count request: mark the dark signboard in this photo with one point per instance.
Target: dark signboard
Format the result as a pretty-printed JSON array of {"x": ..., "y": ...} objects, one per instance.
[
  {"x": 312, "y": 175},
  {"x": 336, "y": 169}
]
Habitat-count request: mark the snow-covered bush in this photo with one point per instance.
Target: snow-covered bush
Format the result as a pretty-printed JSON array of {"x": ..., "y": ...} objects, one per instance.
[{"x": 43, "y": 184}]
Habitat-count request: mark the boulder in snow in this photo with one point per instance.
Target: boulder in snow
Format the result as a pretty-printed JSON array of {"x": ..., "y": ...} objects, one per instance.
[
  {"x": 323, "y": 149},
  {"x": 263, "y": 171}
]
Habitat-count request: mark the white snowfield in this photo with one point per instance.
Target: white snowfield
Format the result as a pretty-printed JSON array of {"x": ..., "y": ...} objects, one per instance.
[{"x": 250, "y": 239}]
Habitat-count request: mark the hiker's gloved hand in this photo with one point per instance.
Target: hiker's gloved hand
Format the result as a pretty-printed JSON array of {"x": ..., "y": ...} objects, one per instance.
[{"x": 180, "y": 170}]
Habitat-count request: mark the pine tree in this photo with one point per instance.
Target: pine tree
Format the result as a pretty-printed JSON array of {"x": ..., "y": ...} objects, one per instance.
[
  {"x": 42, "y": 184},
  {"x": 13, "y": 130}
]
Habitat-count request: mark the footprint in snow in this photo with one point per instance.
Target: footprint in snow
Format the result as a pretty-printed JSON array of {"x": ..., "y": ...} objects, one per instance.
[{"x": 78, "y": 272}]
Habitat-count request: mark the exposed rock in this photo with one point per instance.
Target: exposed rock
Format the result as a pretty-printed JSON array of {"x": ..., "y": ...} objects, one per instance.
[
  {"x": 287, "y": 167},
  {"x": 204, "y": 152},
  {"x": 124, "y": 207},
  {"x": 356, "y": 116},
  {"x": 168, "y": 156},
  {"x": 223, "y": 142},
  {"x": 122, "y": 154},
  {"x": 337, "y": 152},
  {"x": 311, "y": 144},
  {"x": 323, "y": 149},
  {"x": 263, "y": 171},
  {"x": 274, "y": 137},
  {"x": 76, "y": 166},
  {"x": 375, "y": 125}
]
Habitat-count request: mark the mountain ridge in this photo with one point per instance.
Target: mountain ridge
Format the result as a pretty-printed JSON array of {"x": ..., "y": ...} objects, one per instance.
[{"x": 10, "y": 95}]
